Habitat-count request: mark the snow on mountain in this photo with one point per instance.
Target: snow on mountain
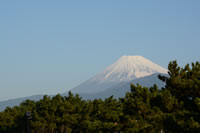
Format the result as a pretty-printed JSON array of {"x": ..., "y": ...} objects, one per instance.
[
  {"x": 129, "y": 68},
  {"x": 125, "y": 69}
]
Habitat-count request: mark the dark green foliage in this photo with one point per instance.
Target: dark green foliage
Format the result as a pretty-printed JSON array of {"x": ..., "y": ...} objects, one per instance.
[{"x": 173, "y": 109}]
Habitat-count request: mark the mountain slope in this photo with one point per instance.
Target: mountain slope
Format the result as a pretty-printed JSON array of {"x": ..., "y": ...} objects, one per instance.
[
  {"x": 120, "y": 89},
  {"x": 127, "y": 68}
]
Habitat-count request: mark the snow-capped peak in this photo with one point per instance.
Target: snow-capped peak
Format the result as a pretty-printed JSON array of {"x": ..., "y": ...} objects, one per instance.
[
  {"x": 128, "y": 68},
  {"x": 125, "y": 69}
]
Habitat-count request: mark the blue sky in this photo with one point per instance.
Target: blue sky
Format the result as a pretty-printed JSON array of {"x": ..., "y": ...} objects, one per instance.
[{"x": 49, "y": 47}]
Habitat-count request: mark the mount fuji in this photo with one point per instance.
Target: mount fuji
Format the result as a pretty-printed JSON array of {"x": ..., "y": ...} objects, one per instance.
[
  {"x": 114, "y": 80},
  {"x": 126, "y": 70}
]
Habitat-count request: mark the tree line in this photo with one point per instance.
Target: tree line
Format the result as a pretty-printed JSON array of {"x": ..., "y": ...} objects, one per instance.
[{"x": 173, "y": 109}]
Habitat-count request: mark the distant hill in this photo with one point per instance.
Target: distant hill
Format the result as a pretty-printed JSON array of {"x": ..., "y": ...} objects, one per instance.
[
  {"x": 114, "y": 80},
  {"x": 17, "y": 101}
]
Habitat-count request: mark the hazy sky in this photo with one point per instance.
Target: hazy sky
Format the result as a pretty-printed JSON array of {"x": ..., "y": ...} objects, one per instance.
[{"x": 49, "y": 46}]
